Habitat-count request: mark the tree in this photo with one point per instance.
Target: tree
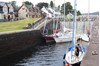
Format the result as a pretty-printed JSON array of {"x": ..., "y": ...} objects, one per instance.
[
  {"x": 40, "y": 5},
  {"x": 13, "y": 3},
  {"x": 15, "y": 8},
  {"x": 68, "y": 8},
  {"x": 78, "y": 13},
  {"x": 28, "y": 3},
  {"x": 51, "y": 4}
]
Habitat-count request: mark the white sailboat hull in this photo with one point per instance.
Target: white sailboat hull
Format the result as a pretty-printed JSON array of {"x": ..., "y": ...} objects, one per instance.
[
  {"x": 72, "y": 59},
  {"x": 85, "y": 37},
  {"x": 62, "y": 40},
  {"x": 65, "y": 38}
]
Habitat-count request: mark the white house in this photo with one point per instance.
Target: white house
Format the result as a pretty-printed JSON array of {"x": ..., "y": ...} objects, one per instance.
[
  {"x": 23, "y": 12},
  {"x": 6, "y": 11},
  {"x": 3, "y": 10},
  {"x": 28, "y": 11}
]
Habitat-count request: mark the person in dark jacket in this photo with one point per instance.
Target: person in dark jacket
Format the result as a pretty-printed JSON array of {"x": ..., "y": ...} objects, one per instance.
[
  {"x": 78, "y": 48},
  {"x": 76, "y": 51}
]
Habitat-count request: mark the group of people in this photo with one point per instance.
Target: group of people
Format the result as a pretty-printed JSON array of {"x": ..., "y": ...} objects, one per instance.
[{"x": 29, "y": 25}]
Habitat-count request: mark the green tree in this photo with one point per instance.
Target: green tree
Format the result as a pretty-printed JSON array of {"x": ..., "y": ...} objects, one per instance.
[
  {"x": 13, "y": 3},
  {"x": 51, "y": 4},
  {"x": 40, "y": 5},
  {"x": 78, "y": 13},
  {"x": 68, "y": 8},
  {"x": 28, "y": 3}
]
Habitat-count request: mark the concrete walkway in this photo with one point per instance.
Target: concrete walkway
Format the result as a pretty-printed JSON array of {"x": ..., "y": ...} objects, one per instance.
[{"x": 92, "y": 59}]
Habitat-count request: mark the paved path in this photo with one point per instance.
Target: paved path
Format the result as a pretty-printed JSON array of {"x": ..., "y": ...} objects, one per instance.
[{"x": 90, "y": 59}]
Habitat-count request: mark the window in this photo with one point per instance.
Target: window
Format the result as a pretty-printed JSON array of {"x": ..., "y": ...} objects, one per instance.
[
  {"x": 37, "y": 10},
  {"x": 8, "y": 9},
  {"x": 26, "y": 15},
  {"x": 1, "y": 9},
  {"x": 23, "y": 8}
]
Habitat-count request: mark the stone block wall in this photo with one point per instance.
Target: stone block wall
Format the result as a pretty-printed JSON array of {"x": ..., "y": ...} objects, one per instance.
[{"x": 12, "y": 42}]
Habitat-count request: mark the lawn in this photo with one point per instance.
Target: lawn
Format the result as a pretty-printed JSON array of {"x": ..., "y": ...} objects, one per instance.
[{"x": 15, "y": 25}]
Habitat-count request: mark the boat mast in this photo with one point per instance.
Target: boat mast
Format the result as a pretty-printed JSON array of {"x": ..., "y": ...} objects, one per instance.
[
  {"x": 54, "y": 17},
  {"x": 88, "y": 16},
  {"x": 64, "y": 18},
  {"x": 75, "y": 19},
  {"x": 56, "y": 20},
  {"x": 64, "y": 12},
  {"x": 74, "y": 25}
]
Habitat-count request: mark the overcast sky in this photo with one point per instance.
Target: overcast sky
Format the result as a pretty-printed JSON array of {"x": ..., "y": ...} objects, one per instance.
[{"x": 82, "y": 5}]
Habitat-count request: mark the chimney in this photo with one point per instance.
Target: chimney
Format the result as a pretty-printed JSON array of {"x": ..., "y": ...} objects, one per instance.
[{"x": 23, "y": 3}]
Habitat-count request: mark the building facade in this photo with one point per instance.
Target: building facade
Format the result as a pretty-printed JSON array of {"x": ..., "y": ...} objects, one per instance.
[
  {"x": 28, "y": 11},
  {"x": 6, "y": 11}
]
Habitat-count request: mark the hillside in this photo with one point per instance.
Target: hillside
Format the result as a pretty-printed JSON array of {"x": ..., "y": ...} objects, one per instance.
[{"x": 93, "y": 13}]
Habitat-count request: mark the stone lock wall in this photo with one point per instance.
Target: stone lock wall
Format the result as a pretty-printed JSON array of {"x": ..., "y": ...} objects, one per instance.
[{"x": 12, "y": 42}]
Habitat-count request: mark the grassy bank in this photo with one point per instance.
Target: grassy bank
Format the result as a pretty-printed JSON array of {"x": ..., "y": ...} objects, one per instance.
[{"x": 15, "y": 25}]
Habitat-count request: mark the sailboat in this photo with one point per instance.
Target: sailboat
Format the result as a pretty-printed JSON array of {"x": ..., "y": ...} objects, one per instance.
[
  {"x": 65, "y": 35},
  {"x": 85, "y": 36},
  {"x": 72, "y": 57}
]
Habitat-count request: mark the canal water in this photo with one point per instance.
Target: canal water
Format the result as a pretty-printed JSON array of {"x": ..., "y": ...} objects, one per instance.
[{"x": 47, "y": 55}]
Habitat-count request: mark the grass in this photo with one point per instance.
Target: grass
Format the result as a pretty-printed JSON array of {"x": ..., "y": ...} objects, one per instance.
[{"x": 15, "y": 25}]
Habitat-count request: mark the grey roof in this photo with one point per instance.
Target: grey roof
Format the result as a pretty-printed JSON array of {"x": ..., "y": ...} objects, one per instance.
[
  {"x": 8, "y": 4},
  {"x": 1, "y": 12},
  {"x": 15, "y": 8},
  {"x": 2, "y": 4}
]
